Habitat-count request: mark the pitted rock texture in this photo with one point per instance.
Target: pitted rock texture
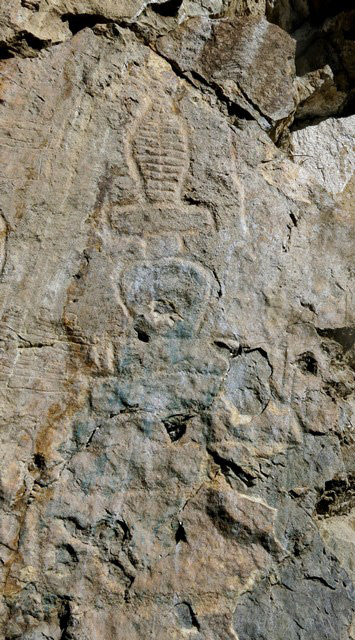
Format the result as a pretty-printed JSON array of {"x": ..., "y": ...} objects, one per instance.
[{"x": 177, "y": 327}]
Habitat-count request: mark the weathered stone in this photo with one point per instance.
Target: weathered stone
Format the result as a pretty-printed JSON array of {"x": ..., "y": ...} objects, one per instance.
[
  {"x": 31, "y": 24},
  {"x": 283, "y": 604},
  {"x": 238, "y": 56},
  {"x": 176, "y": 326},
  {"x": 338, "y": 534},
  {"x": 318, "y": 148}
]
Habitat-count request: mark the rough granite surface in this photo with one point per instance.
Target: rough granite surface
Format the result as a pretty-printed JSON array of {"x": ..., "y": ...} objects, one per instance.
[{"x": 176, "y": 320}]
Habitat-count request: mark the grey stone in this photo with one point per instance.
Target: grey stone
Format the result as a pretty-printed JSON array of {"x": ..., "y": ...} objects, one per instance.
[{"x": 176, "y": 325}]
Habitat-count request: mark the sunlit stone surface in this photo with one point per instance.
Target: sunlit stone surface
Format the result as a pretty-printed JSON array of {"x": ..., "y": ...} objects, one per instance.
[{"x": 176, "y": 328}]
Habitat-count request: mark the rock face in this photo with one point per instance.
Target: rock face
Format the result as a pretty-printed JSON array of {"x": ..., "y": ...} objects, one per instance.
[
  {"x": 177, "y": 329},
  {"x": 238, "y": 57}
]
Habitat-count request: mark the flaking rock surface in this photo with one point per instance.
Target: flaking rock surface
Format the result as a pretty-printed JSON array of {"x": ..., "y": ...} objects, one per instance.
[{"x": 177, "y": 328}]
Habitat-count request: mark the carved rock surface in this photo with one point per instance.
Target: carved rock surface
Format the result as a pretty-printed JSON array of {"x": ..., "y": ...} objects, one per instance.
[
  {"x": 238, "y": 56},
  {"x": 176, "y": 321}
]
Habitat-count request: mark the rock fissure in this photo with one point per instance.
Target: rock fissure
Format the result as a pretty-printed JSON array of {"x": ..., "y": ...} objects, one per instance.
[{"x": 228, "y": 466}]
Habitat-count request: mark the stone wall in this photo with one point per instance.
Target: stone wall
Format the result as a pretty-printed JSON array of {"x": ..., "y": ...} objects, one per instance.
[{"x": 176, "y": 328}]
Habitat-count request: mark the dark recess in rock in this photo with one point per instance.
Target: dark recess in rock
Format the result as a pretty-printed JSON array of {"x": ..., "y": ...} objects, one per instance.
[
  {"x": 169, "y": 8},
  {"x": 67, "y": 554},
  {"x": 307, "y": 362},
  {"x": 176, "y": 426},
  {"x": 142, "y": 335},
  {"x": 345, "y": 336},
  {"x": 186, "y": 616},
  {"x": 320, "y": 10},
  {"x": 337, "y": 498},
  {"x": 31, "y": 4},
  {"x": 39, "y": 461},
  {"x": 24, "y": 44},
  {"x": 65, "y": 619},
  {"x": 294, "y": 14},
  {"x": 180, "y": 534},
  {"x": 327, "y": 40},
  {"x": 79, "y": 21},
  {"x": 229, "y": 467}
]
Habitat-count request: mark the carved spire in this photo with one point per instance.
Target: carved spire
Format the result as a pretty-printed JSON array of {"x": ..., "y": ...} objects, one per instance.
[{"x": 160, "y": 151}]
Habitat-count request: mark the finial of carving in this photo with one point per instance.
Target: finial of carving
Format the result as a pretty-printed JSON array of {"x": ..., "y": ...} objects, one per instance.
[{"x": 160, "y": 151}]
